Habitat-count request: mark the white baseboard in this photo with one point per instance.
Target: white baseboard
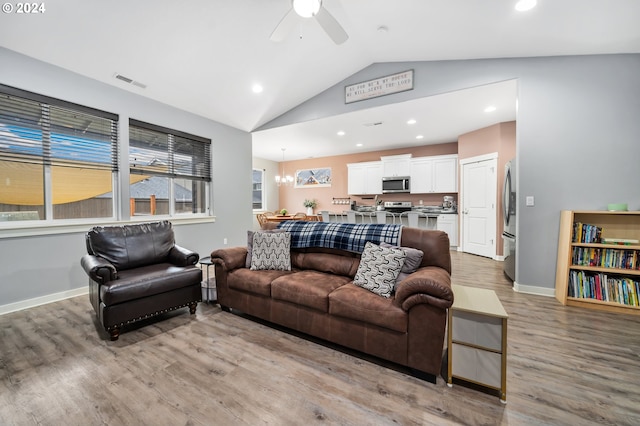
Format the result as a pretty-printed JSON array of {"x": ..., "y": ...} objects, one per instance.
[
  {"x": 530, "y": 289},
  {"x": 42, "y": 300}
]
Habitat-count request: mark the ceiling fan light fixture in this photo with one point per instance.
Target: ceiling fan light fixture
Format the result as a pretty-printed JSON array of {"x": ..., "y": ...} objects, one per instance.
[
  {"x": 307, "y": 8},
  {"x": 524, "y": 5}
]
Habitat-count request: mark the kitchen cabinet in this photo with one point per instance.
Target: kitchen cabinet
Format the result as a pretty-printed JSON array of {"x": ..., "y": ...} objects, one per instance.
[
  {"x": 436, "y": 174},
  {"x": 396, "y": 165},
  {"x": 449, "y": 224},
  {"x": 364, "y": 178}
]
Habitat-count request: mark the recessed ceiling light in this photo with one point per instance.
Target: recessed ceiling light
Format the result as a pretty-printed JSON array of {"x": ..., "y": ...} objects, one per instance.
[
  {"x": 490, "y": 108},
  {"x": 358, "y": 144},
  {"x": 412, "y": 121},
  {"x": 419, "y": 137},
  {"x": 341, "y": 133},
  {"x": 257, "y": 88},
  {"x": 524, "y": 5}
]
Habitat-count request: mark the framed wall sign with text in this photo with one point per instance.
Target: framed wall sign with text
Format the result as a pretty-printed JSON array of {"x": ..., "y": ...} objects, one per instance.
[{"x": 382, "y": 86}]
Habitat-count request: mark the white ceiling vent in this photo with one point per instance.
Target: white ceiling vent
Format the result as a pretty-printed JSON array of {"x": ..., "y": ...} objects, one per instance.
[
  {"x": 377, "y": 123},
  {"x": 130, "y": 81}
]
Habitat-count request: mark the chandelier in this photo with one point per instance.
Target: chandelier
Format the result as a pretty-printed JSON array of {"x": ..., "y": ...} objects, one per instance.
[{"x": 284, "y": 179}]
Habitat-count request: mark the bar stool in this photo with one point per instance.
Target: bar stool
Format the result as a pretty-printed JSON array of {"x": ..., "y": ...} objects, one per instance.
[
  {"x": 412, "y": 218},
  {"x": 351, "y": 216},
  {"x": 381, "y": 217}
]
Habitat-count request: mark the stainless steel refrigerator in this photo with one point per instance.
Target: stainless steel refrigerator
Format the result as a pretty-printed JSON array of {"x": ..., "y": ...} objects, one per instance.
[{"x": 509, "y": 214}]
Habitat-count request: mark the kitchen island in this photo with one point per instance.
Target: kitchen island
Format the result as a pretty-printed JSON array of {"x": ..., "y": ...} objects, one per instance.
[{"x": 446, "y": 221}]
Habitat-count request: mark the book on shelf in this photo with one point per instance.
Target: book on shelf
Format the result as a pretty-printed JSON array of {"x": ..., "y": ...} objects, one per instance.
[
  {"x": 620, "y": 241},
  {"x": 585, "y": 233},
  {"x": 605, "y": 257},
  {"x": 600, "y": 286}
]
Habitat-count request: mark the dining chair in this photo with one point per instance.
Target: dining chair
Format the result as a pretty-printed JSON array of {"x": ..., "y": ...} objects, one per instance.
[{"x": 262, "y": 218}]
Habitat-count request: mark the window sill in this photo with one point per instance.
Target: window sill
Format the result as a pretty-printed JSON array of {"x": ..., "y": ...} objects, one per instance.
[{"x": 32, "y": 228}]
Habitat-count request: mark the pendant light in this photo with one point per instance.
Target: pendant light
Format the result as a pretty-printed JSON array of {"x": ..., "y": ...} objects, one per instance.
[{"x": 284, "y": 179}]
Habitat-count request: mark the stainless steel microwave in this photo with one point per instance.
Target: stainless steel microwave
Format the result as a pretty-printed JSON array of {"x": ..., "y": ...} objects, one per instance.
[{"x": 395, "y": 184}]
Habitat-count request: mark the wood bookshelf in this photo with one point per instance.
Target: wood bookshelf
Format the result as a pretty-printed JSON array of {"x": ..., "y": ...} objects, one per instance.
[{"x": 623, "y": 225}]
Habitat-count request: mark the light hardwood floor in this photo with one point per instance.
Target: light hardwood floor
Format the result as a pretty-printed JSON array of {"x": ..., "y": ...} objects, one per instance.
[{"x": 566, "y": 366}]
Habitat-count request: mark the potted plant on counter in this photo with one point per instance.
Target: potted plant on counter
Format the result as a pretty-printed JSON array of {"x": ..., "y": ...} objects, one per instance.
[{"x": 310, "y": 205}]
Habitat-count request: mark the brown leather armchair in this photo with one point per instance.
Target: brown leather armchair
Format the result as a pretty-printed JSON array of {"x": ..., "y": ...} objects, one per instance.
[{"x": 137, "y": 271}]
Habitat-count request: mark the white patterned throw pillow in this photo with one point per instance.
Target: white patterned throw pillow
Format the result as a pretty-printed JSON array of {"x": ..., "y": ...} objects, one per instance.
[
  {"x": 379, "y": 267},
  {"x": 271, "y": 251}
]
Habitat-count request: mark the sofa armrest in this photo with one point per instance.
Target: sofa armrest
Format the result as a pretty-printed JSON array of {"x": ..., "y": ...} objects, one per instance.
[
  {"x": 430, "y": 285},
  {"x": 230, "y": 258},
  {"x": 181, "y": 256},
  {"x": 98, "y": 269}
]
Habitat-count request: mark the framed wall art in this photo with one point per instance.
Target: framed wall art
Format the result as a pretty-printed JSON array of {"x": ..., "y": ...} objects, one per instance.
[{"x": 313, "y": 178}]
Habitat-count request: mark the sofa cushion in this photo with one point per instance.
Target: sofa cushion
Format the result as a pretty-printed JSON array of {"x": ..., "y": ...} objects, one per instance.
[
  {"x": 148, "y": 281},
  {"x": 379, "y": 268},
  {"x": 271, "y": 251},
  {"x": 411, "y": 262},
  {"x": 250, "y": 243},
  {"x": 326, "y": 262},
  {"x": 351, "y": 301},
  {"x": 258, "y": 282},
  {"x": 308, "y": 288}
]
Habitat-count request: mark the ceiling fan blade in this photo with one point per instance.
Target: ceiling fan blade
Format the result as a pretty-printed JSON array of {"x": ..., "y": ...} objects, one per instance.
[
  {"x": 285, "y": 26},
  {"x": 331, "y": 26}
]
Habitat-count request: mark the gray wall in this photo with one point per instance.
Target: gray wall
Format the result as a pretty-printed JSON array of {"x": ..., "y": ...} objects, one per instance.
[
  {"x": 578, "y": 135},
  {"x": 37, "y": 266}
]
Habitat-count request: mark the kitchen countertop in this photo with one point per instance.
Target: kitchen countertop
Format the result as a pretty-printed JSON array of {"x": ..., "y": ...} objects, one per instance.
[{"x": 425, "y": 213}]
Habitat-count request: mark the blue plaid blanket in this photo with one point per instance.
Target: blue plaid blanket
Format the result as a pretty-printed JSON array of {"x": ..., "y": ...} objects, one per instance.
[{"x": 344, "y": 236}]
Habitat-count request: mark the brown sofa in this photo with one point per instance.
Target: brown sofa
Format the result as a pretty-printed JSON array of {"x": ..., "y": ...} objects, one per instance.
[
  {"x": 137, "y": 271},
  {"x": 318, "y": 297}
]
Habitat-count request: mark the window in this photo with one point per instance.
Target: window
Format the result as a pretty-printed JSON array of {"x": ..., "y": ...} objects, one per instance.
[
  {"x": 58, "y": 160},
  {"x": 258, "y": 193},
  {"x": 170, "y": 171}
]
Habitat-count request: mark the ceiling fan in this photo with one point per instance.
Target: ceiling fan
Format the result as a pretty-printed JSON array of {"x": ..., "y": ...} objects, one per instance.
[{"x": 309, "y": 9}]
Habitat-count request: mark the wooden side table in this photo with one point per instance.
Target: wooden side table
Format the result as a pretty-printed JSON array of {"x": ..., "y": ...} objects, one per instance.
[{"x": 477, "y": 339}]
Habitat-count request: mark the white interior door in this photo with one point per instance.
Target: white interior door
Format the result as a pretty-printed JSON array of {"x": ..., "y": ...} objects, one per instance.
[{"x": 479, "y": 186}]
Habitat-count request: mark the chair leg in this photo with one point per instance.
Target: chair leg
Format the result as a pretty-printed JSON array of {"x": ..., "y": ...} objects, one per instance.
[
  {"x": 192, "y": 307},
  {"x": 114, "y": 333}
]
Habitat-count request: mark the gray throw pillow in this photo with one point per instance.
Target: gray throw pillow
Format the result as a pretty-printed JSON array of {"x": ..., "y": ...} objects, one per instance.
[
  {"x": 411, "y": 263},
  {"x": 272, "y": 251},
  {"x": 247, "y": 263},
  {"x": 379, "y": 268}
]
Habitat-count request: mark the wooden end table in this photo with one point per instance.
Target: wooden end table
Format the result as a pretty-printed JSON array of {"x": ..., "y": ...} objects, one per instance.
[{"x": 477, "y": 339}]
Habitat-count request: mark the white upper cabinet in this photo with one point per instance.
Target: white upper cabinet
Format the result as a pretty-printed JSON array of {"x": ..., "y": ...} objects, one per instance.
[
  {"x": 437, "y": 174},
  {"x": 396, "y": 165},
  {"x": 364, "y": 178}
]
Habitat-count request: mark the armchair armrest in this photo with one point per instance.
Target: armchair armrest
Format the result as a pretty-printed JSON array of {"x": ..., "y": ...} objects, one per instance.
[
  {"x": 98, "y": 269},
  {"x": 431, "y": 285},
  {"x": 181, "y": 256},
  {"x": 230, "y": 258}
]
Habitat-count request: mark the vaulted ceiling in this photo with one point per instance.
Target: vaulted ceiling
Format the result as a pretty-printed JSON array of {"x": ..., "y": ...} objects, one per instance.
[{"x": 204, "y": 56}]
